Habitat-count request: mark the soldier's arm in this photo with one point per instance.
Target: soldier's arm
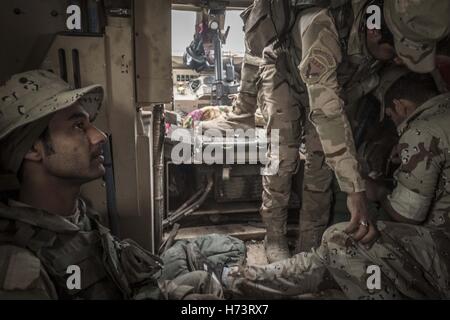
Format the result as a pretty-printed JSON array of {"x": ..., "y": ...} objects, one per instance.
[
  {"x": 321, "y": 58},
  {"x": 22, "y": 276},
  {"x": 417, "y": 178}
]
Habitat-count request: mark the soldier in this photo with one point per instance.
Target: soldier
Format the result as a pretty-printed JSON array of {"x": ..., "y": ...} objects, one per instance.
[
  {"x": 424, "y": 23},
  {"x": 336, "y": 60},
  {"x": 49, "y": 142},
  {"x": 412, "y": 258},
  {"x": 326, "y": 63}
]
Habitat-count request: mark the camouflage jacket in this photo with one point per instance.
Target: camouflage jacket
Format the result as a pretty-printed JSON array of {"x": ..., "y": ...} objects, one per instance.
[
  {"x": 37, "y": 248},
  {"x": 422, "y": 192},
  {"x": 333, "y": 61}
]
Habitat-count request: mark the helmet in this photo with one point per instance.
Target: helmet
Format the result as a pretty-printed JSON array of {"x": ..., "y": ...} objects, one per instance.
[
  {"x": 417, "y": 26},
  {"x": 32, "y": 95}
]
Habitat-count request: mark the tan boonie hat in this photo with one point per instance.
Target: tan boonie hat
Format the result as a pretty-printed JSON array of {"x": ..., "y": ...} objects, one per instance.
[
  {"x": 32, "y": 95},
  {"x": 417, "y": 26},
  {"x": 388, "y": 77}
]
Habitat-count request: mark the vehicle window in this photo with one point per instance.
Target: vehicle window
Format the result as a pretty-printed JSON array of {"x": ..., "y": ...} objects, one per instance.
[{"x": 183, "y": 29}]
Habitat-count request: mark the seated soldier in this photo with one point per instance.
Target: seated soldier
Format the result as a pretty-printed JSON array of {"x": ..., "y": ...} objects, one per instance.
[
  {"x": 49, "y": 142},
  {"x": 411, "y": 257}
]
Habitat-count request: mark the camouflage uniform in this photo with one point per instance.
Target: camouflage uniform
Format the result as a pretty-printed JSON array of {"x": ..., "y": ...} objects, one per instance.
[
  {"x": 333, "y": 80},
  {"x": 330, "y": 81},
  {"x": 37, "y": 247},
  {"x": 414, "y": 260},
  {"x": 280, "y": 106}
]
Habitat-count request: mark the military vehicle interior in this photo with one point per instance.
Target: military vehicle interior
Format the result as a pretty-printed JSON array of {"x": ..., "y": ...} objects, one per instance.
[{"x": 126, "y": 46}]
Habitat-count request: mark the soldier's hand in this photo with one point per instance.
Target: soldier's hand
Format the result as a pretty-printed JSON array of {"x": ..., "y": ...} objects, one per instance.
[{"x": 361, "y": 228}]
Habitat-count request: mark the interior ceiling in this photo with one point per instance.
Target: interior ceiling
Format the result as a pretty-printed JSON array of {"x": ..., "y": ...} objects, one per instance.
[{"x": 196, "y": 4}]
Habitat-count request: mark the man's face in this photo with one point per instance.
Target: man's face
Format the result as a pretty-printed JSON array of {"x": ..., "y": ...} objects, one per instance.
[
  {"x": 74, "y": 147},
  {"x": 400, "y": 110},
  {"x": 394, "y": 115},
  {"x": 378, "y": 49}
]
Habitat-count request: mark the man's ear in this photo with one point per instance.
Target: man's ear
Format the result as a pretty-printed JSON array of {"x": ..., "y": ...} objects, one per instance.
[
  {"x": 404, "y": 107},
  {"x": 398, "y": 106},
  {"x": 35, "y": 152}
]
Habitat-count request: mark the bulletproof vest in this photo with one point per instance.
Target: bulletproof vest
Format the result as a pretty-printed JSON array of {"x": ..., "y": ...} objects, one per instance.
[
  {"x": 269, "y": 21},
  {"x": 58, "y": 244},
  {"x": 357, "y": 76},
  {"x": 264, "y": 22},
  {"x": 341, "y": 10}
]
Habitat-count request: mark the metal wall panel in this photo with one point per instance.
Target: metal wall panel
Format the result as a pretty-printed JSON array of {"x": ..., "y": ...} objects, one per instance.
[
  {"x": 152, "y": 30},
  {"x": 27, "y": 29}
]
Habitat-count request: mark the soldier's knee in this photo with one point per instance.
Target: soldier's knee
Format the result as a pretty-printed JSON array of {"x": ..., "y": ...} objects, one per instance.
[{"x": 335, "y": 237}]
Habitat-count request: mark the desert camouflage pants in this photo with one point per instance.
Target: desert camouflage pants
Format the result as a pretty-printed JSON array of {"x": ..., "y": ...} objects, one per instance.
[
  {"x": 414, "y": 262},
  {"x": 316, "y": 194},
  {"x": 282, "y": 112},
  {"x": 194, "y": 285},
  {"x": 245, "y": 105},
  {"x": 282, "y": 109}
]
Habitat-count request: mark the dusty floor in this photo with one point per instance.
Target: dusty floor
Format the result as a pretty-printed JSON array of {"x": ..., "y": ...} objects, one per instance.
[{"x": 255, "y": 253}]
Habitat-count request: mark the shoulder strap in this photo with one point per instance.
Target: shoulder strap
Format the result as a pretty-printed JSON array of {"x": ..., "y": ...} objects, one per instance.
[{"x": 342, "y": 12}]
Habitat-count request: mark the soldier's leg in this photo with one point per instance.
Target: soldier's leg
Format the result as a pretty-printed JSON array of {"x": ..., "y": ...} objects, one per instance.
[
  {"x": 242, "y": 115},
  {"x": 406, "y": 262},
  {"x": 193, "y": 285},
  {"x": 316, "y": 194},
  {"x": 282, "y": 113},
  {"x": 304, "y": 273}
]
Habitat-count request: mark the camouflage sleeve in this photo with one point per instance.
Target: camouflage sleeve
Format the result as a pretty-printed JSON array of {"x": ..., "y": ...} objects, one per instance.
[
  {"x": 418, "y": 175},
  {"x": 321, "y": 55},
  {"x": 22, "y": 276}
]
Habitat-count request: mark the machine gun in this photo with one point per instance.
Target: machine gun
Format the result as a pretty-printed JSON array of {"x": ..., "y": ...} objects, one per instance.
[{"x": 209, "y": 38}]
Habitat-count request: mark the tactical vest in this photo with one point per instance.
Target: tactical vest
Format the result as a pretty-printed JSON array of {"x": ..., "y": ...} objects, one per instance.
[
  {"x": 271, "y": 21},
  {"x": 357, "y": 75},
  {"x": 360, "y": 72},
  {"x": 266, "y": 21},
  {"x": 108, "y": 267}
]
